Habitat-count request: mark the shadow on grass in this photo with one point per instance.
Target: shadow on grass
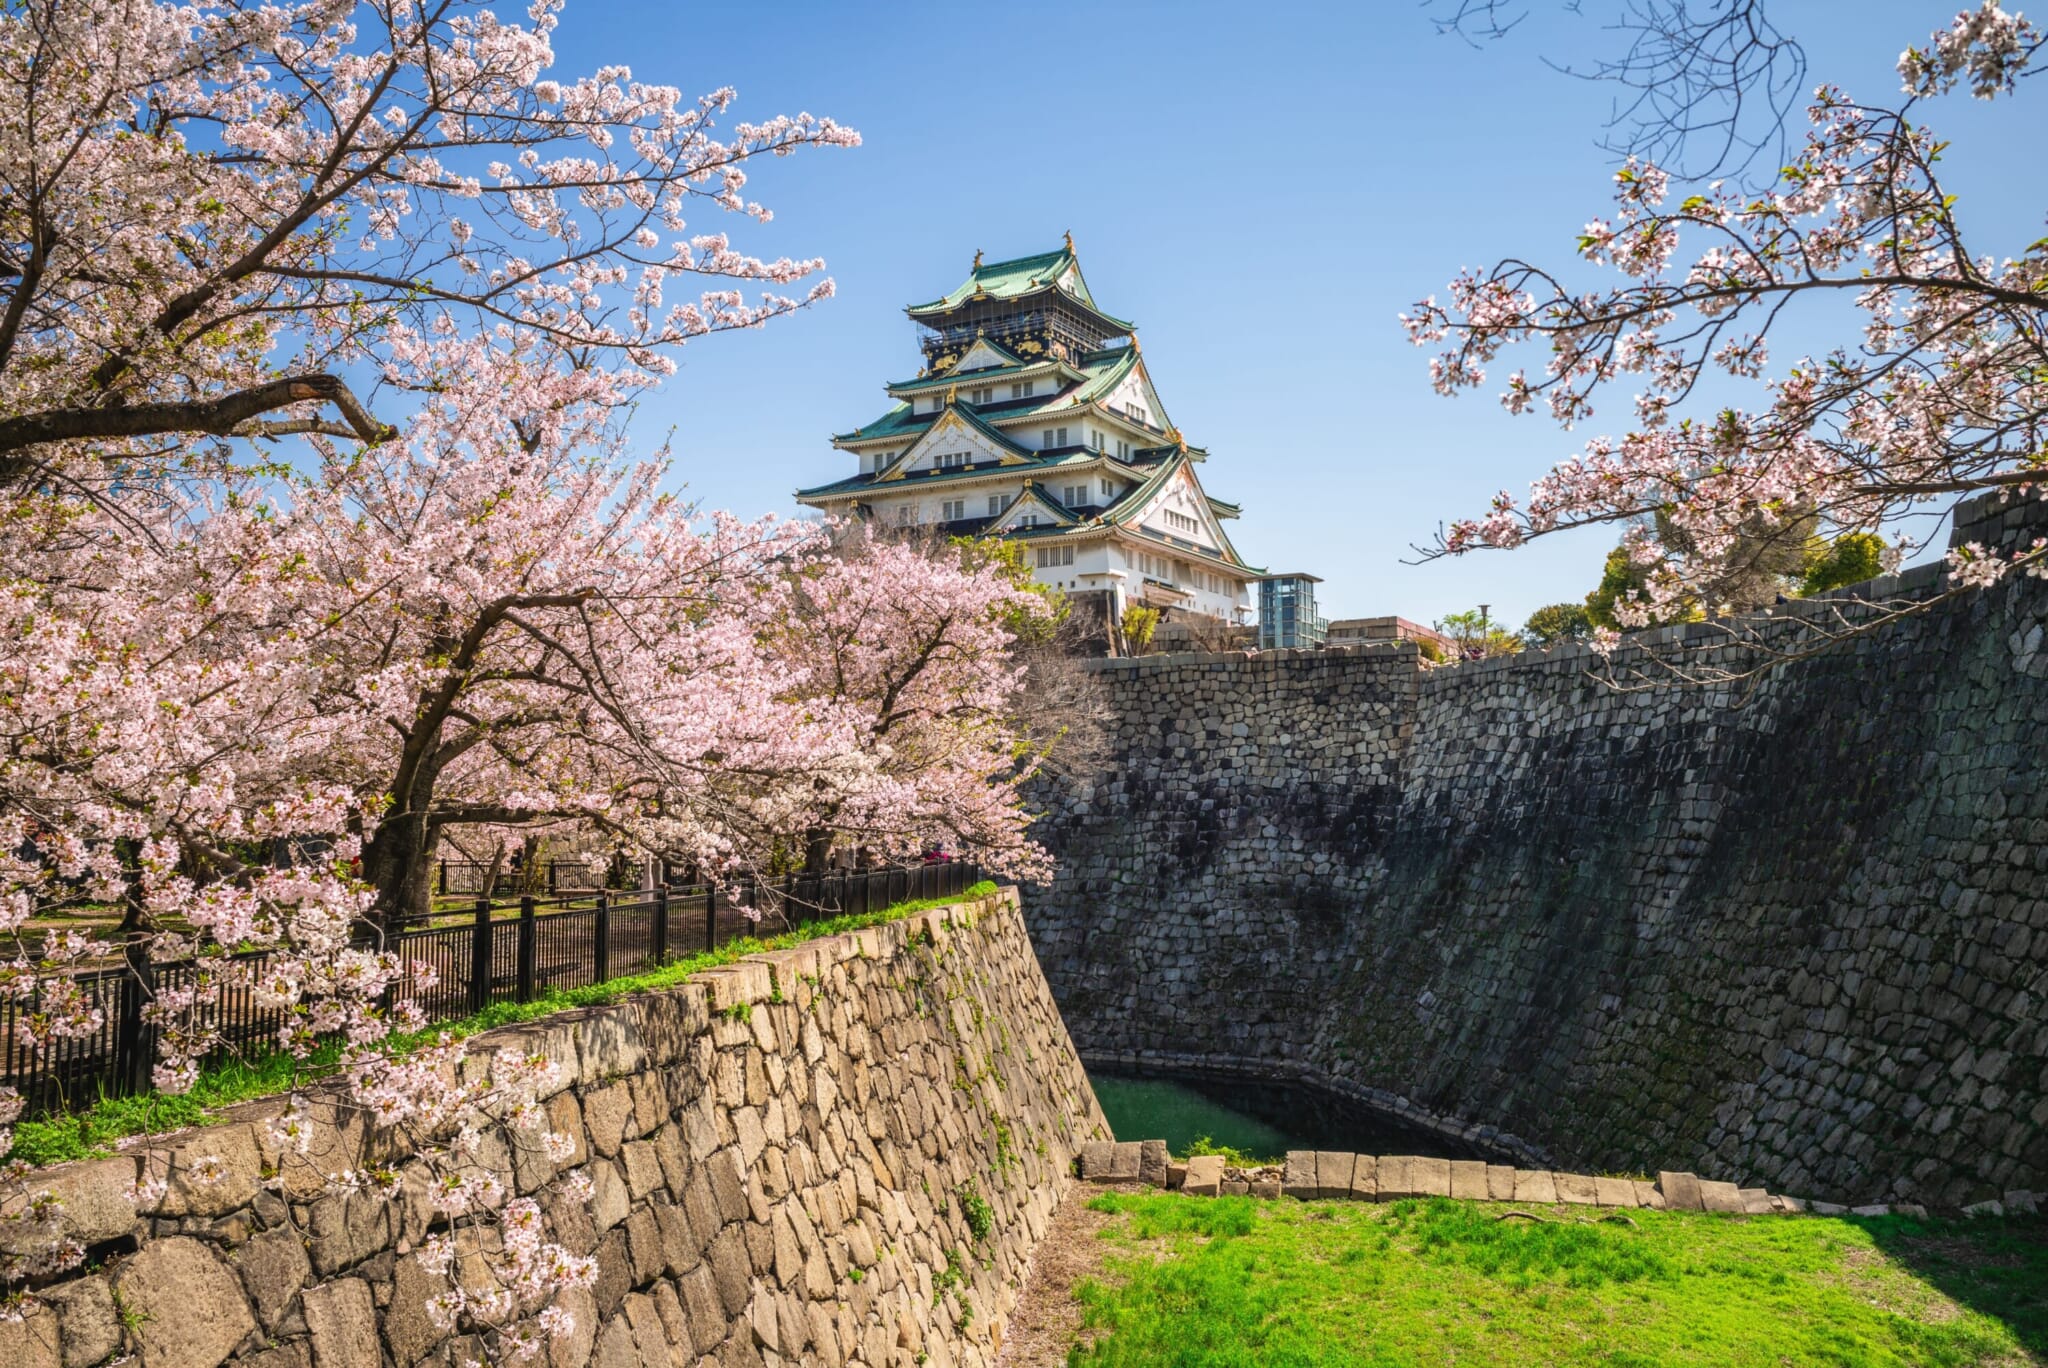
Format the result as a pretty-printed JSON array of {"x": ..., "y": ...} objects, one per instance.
[{"x": 1995, "y": 1266}]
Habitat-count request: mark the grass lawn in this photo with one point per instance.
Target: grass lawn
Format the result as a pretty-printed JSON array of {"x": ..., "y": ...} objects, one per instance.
[{"x": 1199, "y": 1282}]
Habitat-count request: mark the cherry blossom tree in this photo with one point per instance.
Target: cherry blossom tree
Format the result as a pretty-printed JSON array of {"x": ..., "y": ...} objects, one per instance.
[
  {"x": 385, "y": 229},
  {"x": 213, "y": 211},
  {"x": 1942, "y": 396},
  {"x": 914, "y": 646},
  {"x": 536, "y": 632}
]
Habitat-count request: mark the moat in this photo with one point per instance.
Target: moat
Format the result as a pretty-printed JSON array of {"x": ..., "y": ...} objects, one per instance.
[{"x": 1261, "y": 1118}]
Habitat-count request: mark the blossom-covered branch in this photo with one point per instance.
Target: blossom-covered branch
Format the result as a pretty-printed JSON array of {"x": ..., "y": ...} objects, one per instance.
[{"x": 1943, "y": 395}]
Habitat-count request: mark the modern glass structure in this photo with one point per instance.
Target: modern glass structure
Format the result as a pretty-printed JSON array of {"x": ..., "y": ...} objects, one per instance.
[{"x": 1288, "y": 619}]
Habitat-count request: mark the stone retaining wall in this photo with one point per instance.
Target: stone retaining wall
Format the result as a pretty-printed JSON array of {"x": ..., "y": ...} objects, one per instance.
[
  {"x": 1797, "y": 938},
  {"x": 779, "y": 1152}
]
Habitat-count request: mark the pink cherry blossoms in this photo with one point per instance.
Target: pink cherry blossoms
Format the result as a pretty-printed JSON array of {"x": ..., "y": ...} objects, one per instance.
[
  {"x": 325, "y": 534},
  {"x": 1943, "y": 394}
]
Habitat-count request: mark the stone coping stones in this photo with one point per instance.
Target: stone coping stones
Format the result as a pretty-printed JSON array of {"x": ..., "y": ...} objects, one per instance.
[
  {"x": 1205, "y": 1175},
  {"x": 1332, "y": 1175}
]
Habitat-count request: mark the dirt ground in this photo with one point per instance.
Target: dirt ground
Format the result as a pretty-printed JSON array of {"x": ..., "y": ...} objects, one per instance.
[{"x": 1047, "y": 1317}]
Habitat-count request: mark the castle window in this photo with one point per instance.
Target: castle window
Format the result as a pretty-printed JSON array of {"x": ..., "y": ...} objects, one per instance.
[
  {"x": 1181, "y": 522},
  {"x": 938, "y": 402},
  {"x": 1051, "y": 556},
  {"x": 953, "y": 510},
  {"x": 980, "y": 396},
  {"x": 1073, "y": 496},
  {"x": 1022, "y": 391},
  {"x": 953, "y": 460},
  {"x": 995, "y": 504},
  {"x": 1054, "y": 437},
  {"x": 1123, "y": 451},
  {"x": 906, "y": 515},
  {"x": 1108, "y": 490}
]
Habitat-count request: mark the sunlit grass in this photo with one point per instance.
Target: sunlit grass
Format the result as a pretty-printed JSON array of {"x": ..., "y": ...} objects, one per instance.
[{"x": 1207, "y": 1282}]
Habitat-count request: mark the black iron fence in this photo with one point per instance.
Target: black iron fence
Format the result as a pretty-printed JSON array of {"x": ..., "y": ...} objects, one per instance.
[{"x": 494, "y": 951}]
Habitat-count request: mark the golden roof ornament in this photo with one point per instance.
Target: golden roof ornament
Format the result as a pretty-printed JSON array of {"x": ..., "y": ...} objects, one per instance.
[
  {"x": 1070, "y": 240},
  {"x": 977, "y": 258},
  {"x": 952, "y": 393}
]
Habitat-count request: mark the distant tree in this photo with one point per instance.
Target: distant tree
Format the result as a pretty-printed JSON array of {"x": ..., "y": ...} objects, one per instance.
[
  {"x": 1475, "y": 637},
  {"x": 1558, "y": 622},
  {"x": 1138, "y": 625},
  {"x": 1849, "y": 559}
]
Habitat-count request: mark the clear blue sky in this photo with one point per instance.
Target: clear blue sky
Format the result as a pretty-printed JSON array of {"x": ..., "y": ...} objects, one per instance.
[{"x": 1262, "y": 187}]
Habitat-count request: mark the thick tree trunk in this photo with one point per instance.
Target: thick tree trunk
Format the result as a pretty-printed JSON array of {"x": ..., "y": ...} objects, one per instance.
[
  {"x": 398, "y": 863},
  {"x": 817, "y": 849}
]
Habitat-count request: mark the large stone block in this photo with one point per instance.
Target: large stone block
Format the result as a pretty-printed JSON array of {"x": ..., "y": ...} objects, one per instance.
[
  {"x": 342, "y": 1318},
  {"x": 1205, "y": 1175},
  {"x": 187, "y": 1306},
  {"x": 1681, "y": 1191}
]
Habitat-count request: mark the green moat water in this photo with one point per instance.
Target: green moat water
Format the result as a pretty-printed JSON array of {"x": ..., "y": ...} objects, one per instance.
[{"x": 1261, "y": 1118}]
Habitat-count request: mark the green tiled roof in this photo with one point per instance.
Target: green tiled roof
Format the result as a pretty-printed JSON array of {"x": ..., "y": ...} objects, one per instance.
[
  {"x": 1007, "y": 280},
  {"x": 990, "y": 376},
  {"x": 1016, "y": 279},
  {"x": 897, "y": 422},
  {"x": 855, "y": 483},
  {"x": 1104, "y": 371}
]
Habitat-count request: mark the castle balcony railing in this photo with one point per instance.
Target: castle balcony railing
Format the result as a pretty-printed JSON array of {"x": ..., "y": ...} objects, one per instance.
[{"x": 1045, "y": 324}]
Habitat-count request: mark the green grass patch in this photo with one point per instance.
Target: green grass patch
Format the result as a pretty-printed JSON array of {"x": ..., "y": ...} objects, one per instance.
[
  {"x": 1197, "y": 1282},
  {"x": 91, "y": 1133},
  {"x": 1202, "y": 1144}
]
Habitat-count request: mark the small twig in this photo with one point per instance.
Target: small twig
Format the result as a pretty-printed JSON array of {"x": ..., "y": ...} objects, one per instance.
[
  {"x": 1621, "y": 1216},
  {"x": 1525, "y": 1215}
]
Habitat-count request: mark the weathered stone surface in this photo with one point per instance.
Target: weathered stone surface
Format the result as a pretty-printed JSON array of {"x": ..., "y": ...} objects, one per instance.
[
  {"x": 1681, "y": 1191},
  {"x": 274, "y": 1267},
  {"x": 1333, "y": 1173},
  {"x": 1723, "y": 1197},
  {"x": 1396, "y": 1177},
  {"x": 1365, "y": 1181},
  {"x": 188, "y": 1305},
  {"x": 89, "y": 1319},
  {"x": 1535, "y": 1186},
  {"x": 1299, "y": 1175},
  {"x": 1468, "y": 1180},
  {"x": 408, "y": 1329},
  {"x": 1577, "y": 1189},
  {"x": 1483, "y": 889},
  {"x": 1205, "y": 1175},
  {"x": 1430, "y": 1177},
  {"x": 32, "y": 1341},
  {"x": 1500, "y": 1182},
  {"x": 342, "y": 1319},
  {"x": 95, "y": 1197},
  {"x": 780, "y": 1189},
  {"x": 1152, "y": 1162},
  {"x": 232, "y": 1166},
  {"x": 1615, "y": 1192}
]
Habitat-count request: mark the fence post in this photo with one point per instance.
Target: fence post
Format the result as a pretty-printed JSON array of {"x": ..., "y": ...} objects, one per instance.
[
  {"x": 529, "y": 947},
  {"x": 660, "y": 947},
  {"x": 789, "y": 898},
  {"x": 710, "y": 914},
  {"x": 480, "y": 957},
  {"x": 442, "y": 880},
  {"x": 601, "y": 937},
  {"x": 552, "y": 866},
  {"x": 132, "y": 1043}
]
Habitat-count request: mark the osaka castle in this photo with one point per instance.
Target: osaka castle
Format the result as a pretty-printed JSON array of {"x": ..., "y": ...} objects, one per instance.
[{"x": 1034, "y": 418}]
